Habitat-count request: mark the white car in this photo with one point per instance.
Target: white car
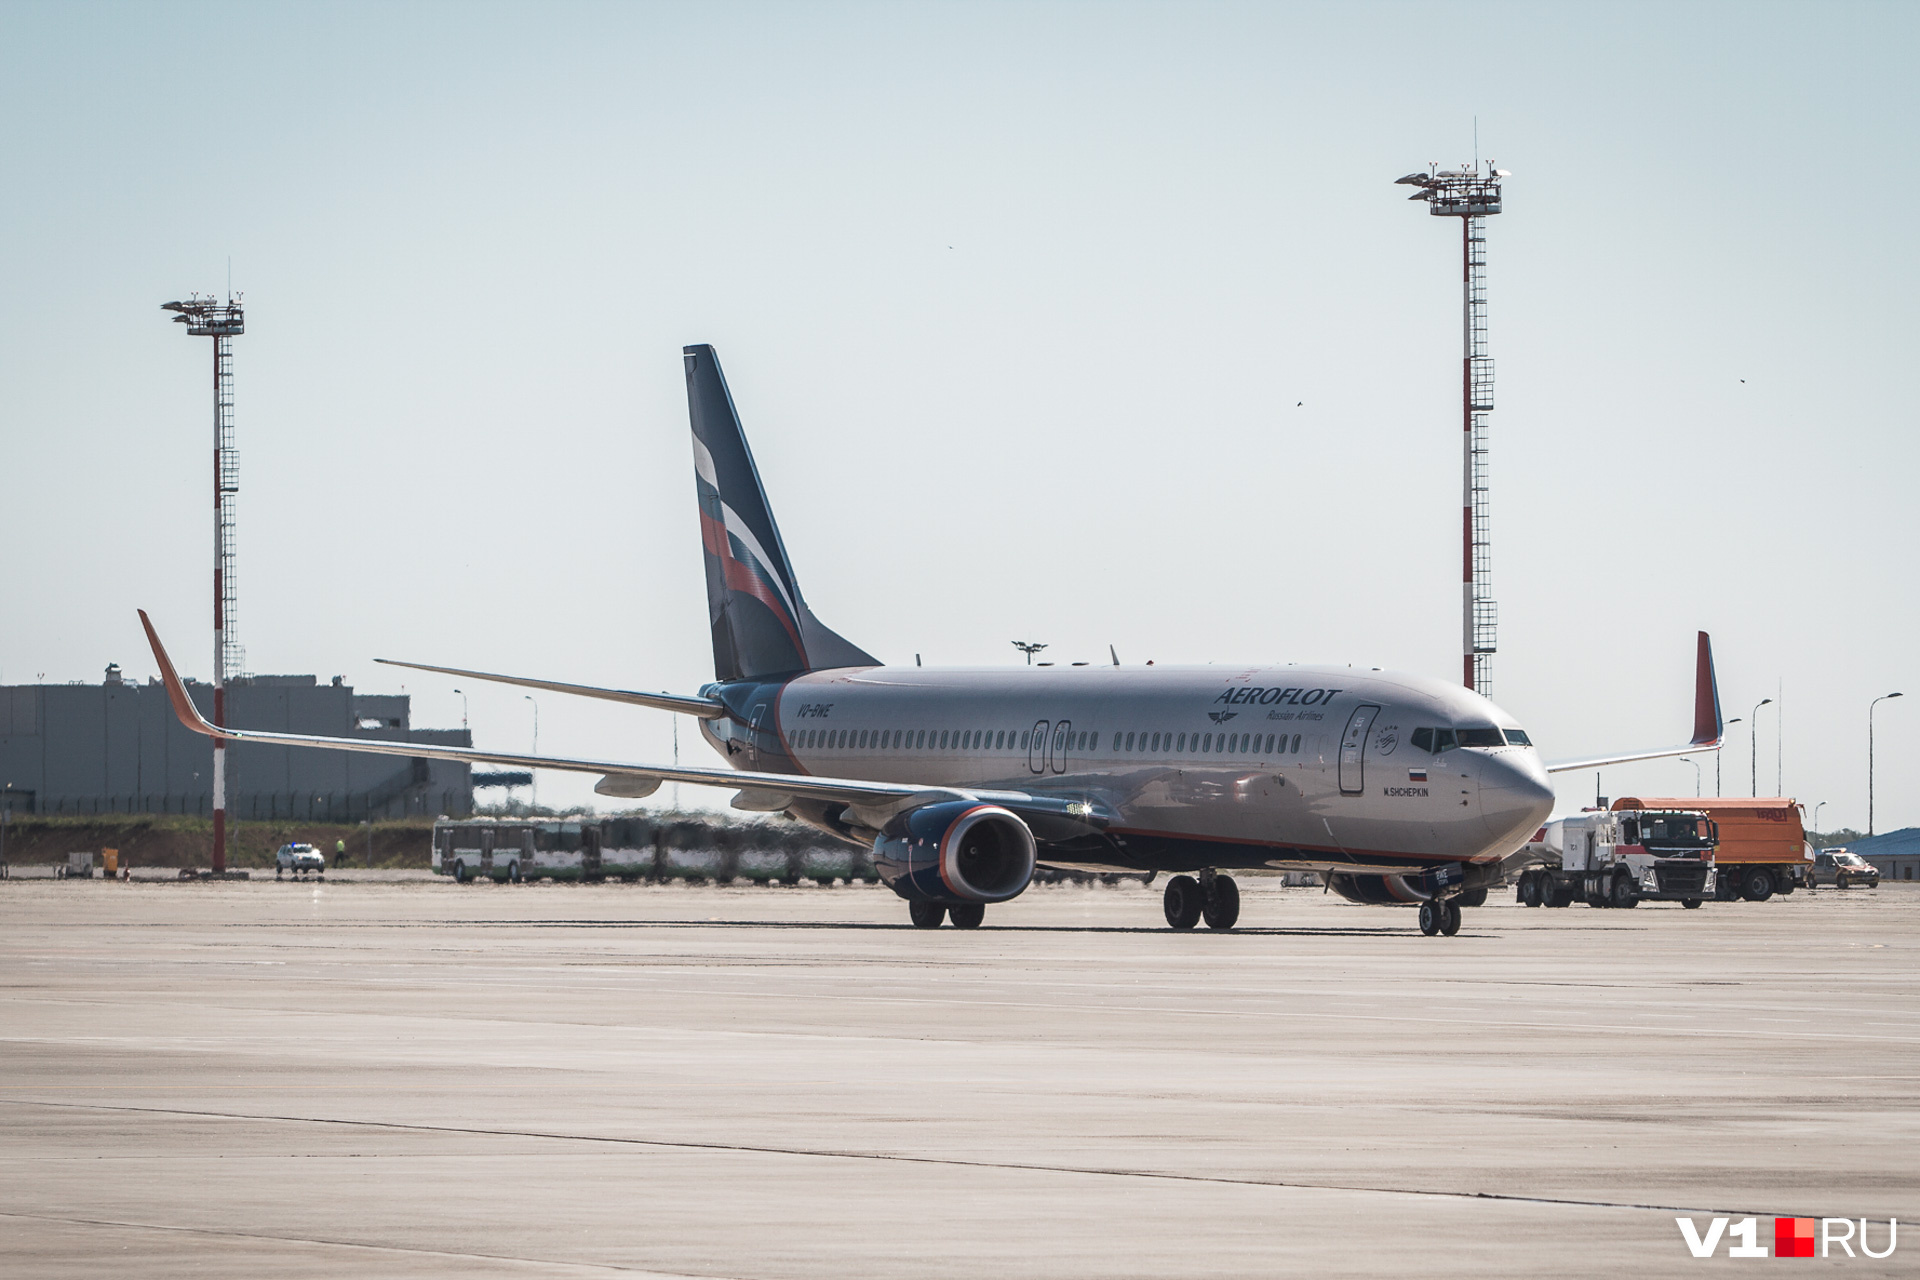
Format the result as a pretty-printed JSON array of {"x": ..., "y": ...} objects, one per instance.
[{"x": 299, "y": 859}]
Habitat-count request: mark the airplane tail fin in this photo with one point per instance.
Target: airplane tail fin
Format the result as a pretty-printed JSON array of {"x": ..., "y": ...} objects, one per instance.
[
  {"x": 761, "y": 625},
  {"x": 1707, "y": 724}
]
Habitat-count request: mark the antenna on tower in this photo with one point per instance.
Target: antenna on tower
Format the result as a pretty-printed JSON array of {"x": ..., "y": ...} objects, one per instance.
[{"x": 1471, "y": 195}]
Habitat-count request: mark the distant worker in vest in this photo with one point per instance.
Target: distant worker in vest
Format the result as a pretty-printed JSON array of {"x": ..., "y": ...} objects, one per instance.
[{"x": 339, "y": 853}]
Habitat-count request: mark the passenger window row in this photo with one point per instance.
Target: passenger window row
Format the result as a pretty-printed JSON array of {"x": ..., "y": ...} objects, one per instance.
[
  {"x": 914, "y": 739},
  {"x": 1008, "y": 739},
  {"x": 1218, "y": 744}
]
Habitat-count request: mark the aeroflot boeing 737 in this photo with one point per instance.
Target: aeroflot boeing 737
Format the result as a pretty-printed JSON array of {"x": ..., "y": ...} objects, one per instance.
[{"x": 1394, "y": 787}]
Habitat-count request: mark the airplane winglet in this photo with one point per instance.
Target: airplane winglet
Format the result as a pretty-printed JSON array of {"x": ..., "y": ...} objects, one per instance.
[
  {"x": 1707, "y": 724},
  {"x": 1708, "y": 727},
  {"x": 176, "y": 691}
]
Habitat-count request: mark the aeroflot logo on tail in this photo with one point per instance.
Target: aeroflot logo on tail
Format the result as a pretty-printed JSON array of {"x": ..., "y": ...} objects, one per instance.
[
  {"x": 1792, "y": 1237},
  {"x": 1268, "y": 697}
]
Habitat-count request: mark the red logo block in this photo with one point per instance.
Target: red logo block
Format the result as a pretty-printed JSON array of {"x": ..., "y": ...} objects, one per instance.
[{"x": 1793, "y": 1237}]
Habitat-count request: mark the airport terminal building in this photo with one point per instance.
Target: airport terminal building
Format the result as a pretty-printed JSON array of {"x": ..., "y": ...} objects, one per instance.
[{"x": 117, "y": 747}]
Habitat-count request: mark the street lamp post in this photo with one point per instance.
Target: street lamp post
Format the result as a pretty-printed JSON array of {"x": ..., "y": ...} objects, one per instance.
[
  {"x": 1870, "y": 706},
  {"x": 1029, "y": 648},
  {"x": 536, "y": 748},
  {"x": 1720, "y": 751},
  {"x": 1696, "y": 773},
  {"x": 1816, "y": 816},
  {"x": 1753, "y": 743},
  {"x": 463, "y": 710}
]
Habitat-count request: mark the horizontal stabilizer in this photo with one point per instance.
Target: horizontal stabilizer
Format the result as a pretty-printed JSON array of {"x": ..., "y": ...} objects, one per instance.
[{"x": 704, "y": 708}]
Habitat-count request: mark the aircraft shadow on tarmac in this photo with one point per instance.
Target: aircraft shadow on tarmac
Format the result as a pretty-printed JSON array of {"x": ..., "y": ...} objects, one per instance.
[{"x": 890, "y": 927}]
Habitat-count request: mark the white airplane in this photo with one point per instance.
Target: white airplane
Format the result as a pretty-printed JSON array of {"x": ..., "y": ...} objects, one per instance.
[{"x": 1394, "y": 787}]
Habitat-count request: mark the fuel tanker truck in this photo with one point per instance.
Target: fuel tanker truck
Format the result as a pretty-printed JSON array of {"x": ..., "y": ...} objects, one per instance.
[{"x": 1621, "y": 859}]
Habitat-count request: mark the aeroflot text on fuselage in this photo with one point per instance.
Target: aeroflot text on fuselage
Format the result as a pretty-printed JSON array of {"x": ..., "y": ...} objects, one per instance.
[{"x": 1267, "y": 697}]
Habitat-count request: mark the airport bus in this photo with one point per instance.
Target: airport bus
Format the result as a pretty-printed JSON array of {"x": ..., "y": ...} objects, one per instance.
[{"x": 512, "y": 851}]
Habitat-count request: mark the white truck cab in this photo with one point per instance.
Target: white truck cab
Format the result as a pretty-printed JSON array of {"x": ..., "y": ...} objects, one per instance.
[{"x": 1621, "y": 858}]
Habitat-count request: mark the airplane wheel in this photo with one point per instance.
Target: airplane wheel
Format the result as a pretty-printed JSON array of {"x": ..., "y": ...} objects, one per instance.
[
  {"x": 968, "y": 915},
  {"x": 1449, "y": 917},
  {"x": 1430, "y": 917},
  {"x": 926, "y": 915},
  {"x": 1471, "y": 898},
  {"x": 1184, "y": 901},
  {"x": 1691, "y": 904},
  {"x": 1223, "y": 904}
]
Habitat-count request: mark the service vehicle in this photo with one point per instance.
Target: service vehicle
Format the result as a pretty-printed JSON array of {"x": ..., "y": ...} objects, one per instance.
[
  {"x": 299, "y": 859},
  {"x": 1621, "y": 858},
  {"x": 1843, "y": 870},
  {"x": 1763, "y": 846},
  {"x": 629, "y": 849}
]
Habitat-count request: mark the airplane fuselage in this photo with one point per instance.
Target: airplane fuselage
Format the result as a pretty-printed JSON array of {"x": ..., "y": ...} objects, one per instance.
[{"x": 1293, "y": 767}]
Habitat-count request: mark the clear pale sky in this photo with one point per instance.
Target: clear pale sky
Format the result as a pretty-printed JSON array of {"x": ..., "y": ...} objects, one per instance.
[{"x": 1089, "y": 324}]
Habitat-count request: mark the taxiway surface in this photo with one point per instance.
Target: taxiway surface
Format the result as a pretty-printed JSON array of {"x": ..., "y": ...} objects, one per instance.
[{"x": 418, "y": 1079}]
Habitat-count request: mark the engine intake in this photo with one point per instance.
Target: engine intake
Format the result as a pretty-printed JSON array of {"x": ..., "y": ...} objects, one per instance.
[{"x": 956, "y": 851}]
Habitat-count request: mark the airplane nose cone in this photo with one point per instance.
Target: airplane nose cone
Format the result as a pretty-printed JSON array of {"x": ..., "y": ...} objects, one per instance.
[{"x": 1515, "y": 796}]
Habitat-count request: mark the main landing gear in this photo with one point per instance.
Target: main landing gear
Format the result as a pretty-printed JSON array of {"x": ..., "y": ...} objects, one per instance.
[
  {"x": 928, "y": 915},
  {"x": 1213, "y": 897},
  {"x": 1439, "y": 915}
]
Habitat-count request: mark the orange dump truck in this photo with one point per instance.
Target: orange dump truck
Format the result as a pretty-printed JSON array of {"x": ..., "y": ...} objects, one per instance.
[{"x": 1763, "y": 847}]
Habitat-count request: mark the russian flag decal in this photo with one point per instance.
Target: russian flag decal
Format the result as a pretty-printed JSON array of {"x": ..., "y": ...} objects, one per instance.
[{"x": 1416, "y": 775}]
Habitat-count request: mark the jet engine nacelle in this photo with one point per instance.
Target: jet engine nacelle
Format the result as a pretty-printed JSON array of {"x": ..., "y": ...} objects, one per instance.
[
  {"x": 1374, "y": 891},
  {"x": 1379, "y": 891},
  {"x": 955, "y": 851}
]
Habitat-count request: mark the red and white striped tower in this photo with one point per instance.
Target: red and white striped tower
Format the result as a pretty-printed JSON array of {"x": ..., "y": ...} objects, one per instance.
[
  {"x": 221, "y": 321},
  {"x": 1471, "y": 194}
]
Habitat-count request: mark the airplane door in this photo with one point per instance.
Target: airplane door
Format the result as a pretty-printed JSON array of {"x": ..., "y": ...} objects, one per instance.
[
  {"x": 1037, "y": 748},
  {"x": 758, "y": 727},
  {"x": 1353, "y": 750},
  {"x": 1062, "y": 739}
]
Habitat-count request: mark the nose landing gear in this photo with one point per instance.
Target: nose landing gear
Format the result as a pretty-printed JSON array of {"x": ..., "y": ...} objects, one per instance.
[{"x": 1440, "y": 915}]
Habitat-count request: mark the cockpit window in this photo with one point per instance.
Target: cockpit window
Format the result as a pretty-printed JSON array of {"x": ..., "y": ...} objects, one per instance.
[
  {"x": 1518, "y": 738},
  {"x": 1480, "y": 737},
  {"x": 1433, "y": 740}
]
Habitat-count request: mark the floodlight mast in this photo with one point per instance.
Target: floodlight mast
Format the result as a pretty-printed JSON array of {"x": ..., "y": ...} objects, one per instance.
[
  {"x": 1471, "y": 193},
  {"x": 222, "y": 321}
]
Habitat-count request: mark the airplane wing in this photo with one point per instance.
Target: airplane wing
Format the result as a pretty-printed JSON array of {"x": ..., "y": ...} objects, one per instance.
[
  {"x": 1707, "y": 724},
  {"x": 872, "y": 797},
  {"x": 704, "y": 708}
]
